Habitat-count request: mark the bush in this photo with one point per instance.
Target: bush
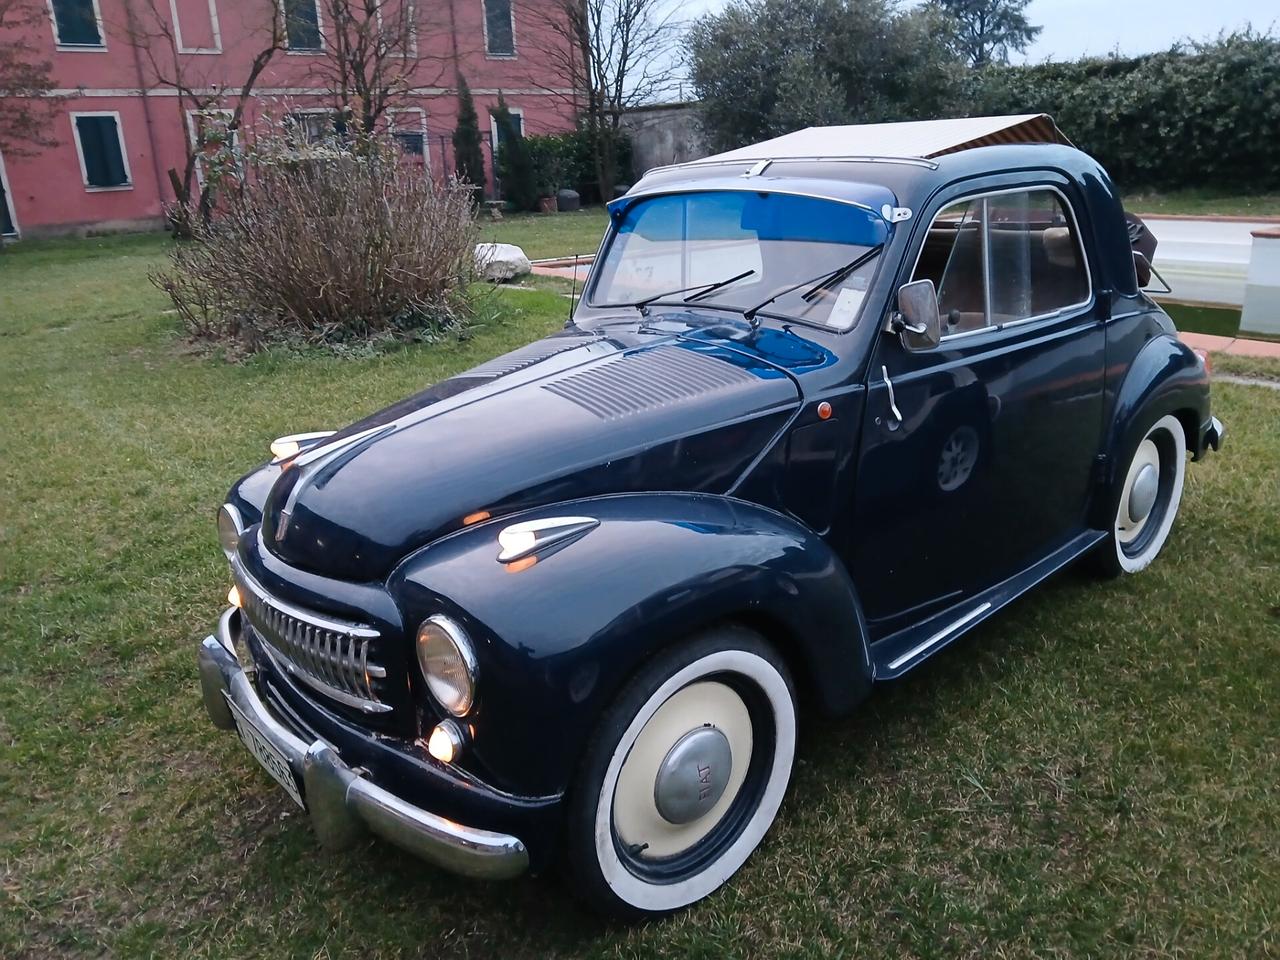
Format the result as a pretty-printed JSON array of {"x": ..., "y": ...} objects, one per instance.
[
  {"x": 1198, "y": 115},
  {"x": 565, "y": 160},
  {"x": 324, "y": 245}
]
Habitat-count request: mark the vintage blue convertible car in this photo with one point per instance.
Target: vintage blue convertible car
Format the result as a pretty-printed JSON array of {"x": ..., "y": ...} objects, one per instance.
[{"x": 826, "y": 404}]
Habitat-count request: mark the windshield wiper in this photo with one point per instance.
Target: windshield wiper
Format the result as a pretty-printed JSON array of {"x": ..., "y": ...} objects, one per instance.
[
  {"x": 704, "y": 290},
  {"x": 817, "y": 283}
]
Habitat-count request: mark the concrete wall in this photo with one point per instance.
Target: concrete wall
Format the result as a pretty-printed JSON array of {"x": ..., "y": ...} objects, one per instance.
[{"x": 663, "y": 134}]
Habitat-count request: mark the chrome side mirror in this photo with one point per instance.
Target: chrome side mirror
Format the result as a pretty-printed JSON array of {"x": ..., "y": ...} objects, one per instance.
[{"x": 917, "y": 321}]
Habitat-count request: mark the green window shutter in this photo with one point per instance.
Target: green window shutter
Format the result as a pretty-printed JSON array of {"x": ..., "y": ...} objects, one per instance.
[
  {"x": 100, "y": 144},
  {"x": 302, "y": 24},
  {"x": 501, "y": 41},
  {"x": 76, "y": 23},
  {"x": 6, "y": 224}
]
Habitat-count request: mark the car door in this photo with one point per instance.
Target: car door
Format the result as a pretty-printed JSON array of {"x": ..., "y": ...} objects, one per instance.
[{"x": 977, "y": 455}]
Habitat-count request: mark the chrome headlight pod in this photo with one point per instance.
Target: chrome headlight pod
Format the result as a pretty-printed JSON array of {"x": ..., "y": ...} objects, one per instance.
[
  {"x": 284, "y": 448},
  {"x": 230, "y": 527},
  {"x": 529, "y": 536},
  {"x": 448, "y": 664}
]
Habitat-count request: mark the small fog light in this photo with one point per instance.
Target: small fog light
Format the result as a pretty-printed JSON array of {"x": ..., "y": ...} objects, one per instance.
[
  {"x": 233, "y": 596},
  {"x": 445, "y": 743}
]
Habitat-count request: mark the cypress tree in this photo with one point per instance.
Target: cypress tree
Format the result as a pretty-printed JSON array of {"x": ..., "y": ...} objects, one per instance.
[{"x": 468, "y": 151}]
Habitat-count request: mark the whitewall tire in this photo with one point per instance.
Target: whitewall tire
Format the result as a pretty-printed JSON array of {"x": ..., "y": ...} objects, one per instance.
[
  {"x": 1149, "y": 494},
  {"x": 684, "y": 776}
]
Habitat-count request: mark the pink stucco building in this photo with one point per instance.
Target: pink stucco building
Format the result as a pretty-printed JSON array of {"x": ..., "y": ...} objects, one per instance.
[{"x": 120, "y": 129}]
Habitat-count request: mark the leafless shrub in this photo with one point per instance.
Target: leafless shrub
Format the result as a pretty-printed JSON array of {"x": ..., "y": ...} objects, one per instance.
[{"x": 320, "y": 244}]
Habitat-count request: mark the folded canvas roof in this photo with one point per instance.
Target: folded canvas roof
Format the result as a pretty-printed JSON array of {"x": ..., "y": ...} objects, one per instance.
[{"x": 913, "y": 139}]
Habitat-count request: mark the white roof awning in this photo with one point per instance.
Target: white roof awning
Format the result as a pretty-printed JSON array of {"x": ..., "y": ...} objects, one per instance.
[{"x": 913, "y": 139}]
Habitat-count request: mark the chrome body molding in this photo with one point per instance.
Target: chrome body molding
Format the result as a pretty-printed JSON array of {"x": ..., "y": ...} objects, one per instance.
[
  {"x": 342, "y": 801},
  {"x": 941, "y": 635}
]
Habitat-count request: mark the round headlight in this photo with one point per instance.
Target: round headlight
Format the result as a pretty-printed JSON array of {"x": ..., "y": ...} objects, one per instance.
[
  {"x": 448, "y": 664},
  {"x": 230, "y": 527}
]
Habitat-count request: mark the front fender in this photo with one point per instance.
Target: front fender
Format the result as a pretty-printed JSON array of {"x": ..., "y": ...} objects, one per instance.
[{"x": 556, "y": 640}]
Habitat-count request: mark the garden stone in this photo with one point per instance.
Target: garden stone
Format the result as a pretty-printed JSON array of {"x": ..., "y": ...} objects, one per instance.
[{"x": 500, "y": 262}]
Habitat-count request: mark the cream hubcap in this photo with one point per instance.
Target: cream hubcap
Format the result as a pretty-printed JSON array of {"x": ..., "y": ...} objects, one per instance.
[
  {"x": 1141, "y": 487},
  {"x": 683, "y": 771}
]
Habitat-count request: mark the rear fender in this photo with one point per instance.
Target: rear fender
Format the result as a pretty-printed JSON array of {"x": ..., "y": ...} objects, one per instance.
[
  {"x": 1165, "y": 377},
  {"x": 557, "y": 639}
]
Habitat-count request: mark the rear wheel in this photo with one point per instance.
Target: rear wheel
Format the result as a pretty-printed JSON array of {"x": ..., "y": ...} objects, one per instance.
[
  {"x": 1149, "y": 496},
  {"x": 684, "y": 776}
]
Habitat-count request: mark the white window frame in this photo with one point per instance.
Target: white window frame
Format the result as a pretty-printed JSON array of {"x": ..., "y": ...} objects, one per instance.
[
  {"x": 308, "y": 51},
  {"x": 493, "y": 126},
  {"x": 100, "y": 47},
  {"x": 985, "y": 195},
  {"x": 326, "y": 111},
  {"x": 177, "y": 29},
  {"x": 484, "y": 23},
  {"x": 124, "y": 150},
  {"x": 422, "y": 128},
  {"x": 412, "y": 6},
  {"x": 192, "y": 130},
  {"x": 8, "y": 199}
]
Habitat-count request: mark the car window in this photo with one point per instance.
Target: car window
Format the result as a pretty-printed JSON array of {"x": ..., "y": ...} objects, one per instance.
[
  {"x": 1036, "y": 260},
  {"x": 774, "y": 248},
  {"x": 1036, "y": 264}
]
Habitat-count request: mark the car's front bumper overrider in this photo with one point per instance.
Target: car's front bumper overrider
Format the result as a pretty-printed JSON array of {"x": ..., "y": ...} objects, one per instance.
[
  {"x": 1212, "y": 433},
  {"x": 342, "y": 802}
]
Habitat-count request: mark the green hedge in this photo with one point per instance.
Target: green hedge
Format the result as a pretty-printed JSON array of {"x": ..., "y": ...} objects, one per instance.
[
  {"x": 564, "y": 160},
  {"x": 1202, "y": 115}
]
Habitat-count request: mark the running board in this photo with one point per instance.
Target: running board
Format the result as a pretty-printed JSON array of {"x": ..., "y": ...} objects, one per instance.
[{"x": 905, "y": 650}]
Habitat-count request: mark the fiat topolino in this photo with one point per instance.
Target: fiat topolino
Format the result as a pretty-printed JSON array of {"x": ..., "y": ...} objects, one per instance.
[{"x": 826, "y": 404}]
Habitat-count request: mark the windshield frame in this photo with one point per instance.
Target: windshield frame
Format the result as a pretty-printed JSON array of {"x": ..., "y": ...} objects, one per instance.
[{"x": 591, "y": 289}]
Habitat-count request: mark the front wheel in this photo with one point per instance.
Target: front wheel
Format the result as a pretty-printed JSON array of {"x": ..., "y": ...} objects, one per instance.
[
  {"x": 684, "y": 775},
  {"x": 1148, "y": 499}
]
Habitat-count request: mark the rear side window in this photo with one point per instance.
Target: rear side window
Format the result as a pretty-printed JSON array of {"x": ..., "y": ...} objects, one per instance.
[{"x": 1003, "y": 258}]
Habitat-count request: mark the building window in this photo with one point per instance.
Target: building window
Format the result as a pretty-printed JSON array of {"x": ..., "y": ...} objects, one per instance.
[
  {"x": 103, "y": 160},
  {"x": 320, "y": 126},
  {"x": 76, "y": 23},
  {"x": 302, "y": 25},
  {"x": 411, "y": 143},
  {"x": 408, "y": 126},
  {"x": 8, "y": 228},
  {"x": 499, "y": 32},
  {"x": 499, "y": 133}
]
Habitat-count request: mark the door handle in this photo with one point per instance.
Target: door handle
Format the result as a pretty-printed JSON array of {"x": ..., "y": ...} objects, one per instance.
[{"x": 893, "y": 402}]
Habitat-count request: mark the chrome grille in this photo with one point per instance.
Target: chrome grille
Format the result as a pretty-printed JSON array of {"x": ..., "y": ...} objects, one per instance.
[{"x": 328, "y": 655}]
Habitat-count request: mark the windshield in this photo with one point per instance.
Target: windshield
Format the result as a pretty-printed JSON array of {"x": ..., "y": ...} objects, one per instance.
[{"x": 742, "y": 249}]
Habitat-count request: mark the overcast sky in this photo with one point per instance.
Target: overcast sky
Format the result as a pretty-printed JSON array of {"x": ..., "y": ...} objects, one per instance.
[{"x": 1073, "y": 28}]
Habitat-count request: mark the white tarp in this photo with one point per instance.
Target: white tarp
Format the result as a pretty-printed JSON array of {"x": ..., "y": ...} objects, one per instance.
[{"x": 920, "y": 139}]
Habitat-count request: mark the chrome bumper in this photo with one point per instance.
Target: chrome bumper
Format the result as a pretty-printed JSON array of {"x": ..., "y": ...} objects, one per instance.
[{"x": 343, "y": 804}]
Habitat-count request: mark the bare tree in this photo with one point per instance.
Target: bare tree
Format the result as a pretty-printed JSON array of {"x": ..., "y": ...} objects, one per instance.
[
  {"x": 607, "y": 56},
  {"x": 376, "y": 55},
  {"x": 201, "y": 92},
  {"x": 27, "y": 105}
]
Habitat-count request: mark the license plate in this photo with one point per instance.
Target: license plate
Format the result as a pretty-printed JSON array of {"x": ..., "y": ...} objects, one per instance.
[{"x": 266, "y": 753}]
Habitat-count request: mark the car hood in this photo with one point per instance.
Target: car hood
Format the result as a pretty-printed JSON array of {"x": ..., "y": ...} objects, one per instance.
[{"x": 619, "y": 408}]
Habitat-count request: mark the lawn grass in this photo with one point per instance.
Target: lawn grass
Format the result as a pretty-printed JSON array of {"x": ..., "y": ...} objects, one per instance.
[
  {"x": 1189, "y": 318},
  {"x": 1203, "y": 203},
  {"x": 1094, "y": 773},
  {"x": 546, "y": 235}
]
